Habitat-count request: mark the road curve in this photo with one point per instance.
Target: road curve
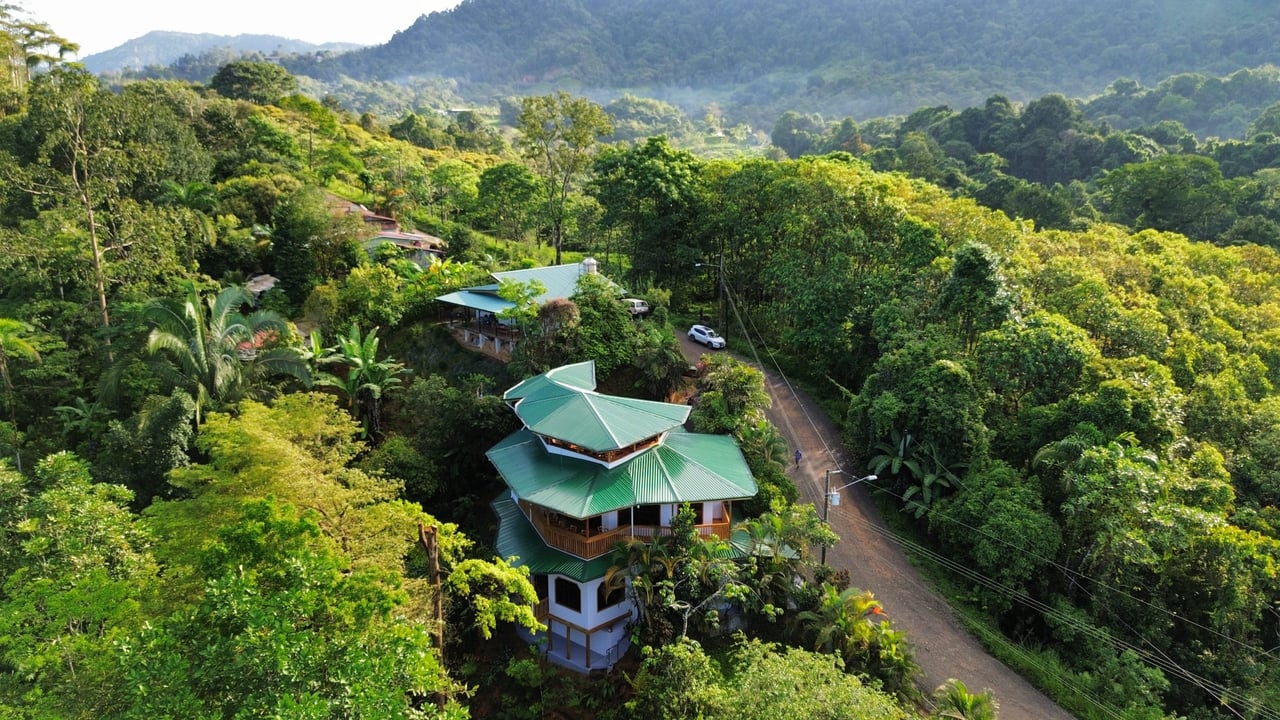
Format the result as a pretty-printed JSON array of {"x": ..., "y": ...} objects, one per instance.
[{"x": 943, "y": 648}]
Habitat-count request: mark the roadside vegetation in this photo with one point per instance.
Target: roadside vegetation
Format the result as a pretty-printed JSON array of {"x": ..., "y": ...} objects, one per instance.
[{"x": 212, "y": 499}]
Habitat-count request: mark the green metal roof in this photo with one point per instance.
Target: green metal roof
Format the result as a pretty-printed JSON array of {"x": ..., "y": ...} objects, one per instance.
[
  {"x": 562, "y": 403},
  {"x": 580, "y": 375},
  {"x": 685, "y": 467},
  {"x": 477, "y": 300},
  {"x": 560, "y": 281},
  {"x": 516, "y": 537}
]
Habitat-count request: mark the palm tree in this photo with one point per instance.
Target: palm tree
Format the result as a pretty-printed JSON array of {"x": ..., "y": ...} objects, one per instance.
[
  {"x": 367, "y": 378},
  {"x": 219, "y": 355},
  {"x": 641, "y": 566},
  {"x": 957, "y": 703},
  {"x": 201, "y": 199},
  {"x": 14, "y": 344},
  {"x": 843, "y": 624}
]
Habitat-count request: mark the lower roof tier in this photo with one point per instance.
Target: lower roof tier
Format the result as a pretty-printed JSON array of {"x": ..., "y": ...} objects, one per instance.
[{"x": 685, "y": 467}]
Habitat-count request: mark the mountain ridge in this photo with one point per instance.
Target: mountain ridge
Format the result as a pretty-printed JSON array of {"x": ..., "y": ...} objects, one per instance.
[
  {"x": 164, "y": 47},
  {"x": 864, "y": 58}
]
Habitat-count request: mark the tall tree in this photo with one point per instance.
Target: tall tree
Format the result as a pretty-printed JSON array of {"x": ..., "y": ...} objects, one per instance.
[
  {"x": 91, "y": 162},
  {"x": 258, "y": 82},
  {"x": 79, "y": 157},
  {"x": 651, "y": 193},
  {"x": 14, "y": 343},
  {"x": 507, "y": 195},
  {"x": 28, "y": 44},
  {"x": 558, "y": 134}
]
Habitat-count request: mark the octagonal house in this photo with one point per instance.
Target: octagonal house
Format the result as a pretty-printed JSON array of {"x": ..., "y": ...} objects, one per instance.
[{"x": 586, "y": 472}]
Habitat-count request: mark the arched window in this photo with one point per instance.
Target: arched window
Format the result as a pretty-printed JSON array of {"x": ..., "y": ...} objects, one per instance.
[{"x": 607, "y": 598}]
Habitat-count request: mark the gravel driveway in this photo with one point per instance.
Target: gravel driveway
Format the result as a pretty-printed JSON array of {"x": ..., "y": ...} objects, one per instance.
[{"x": 875, "y": 562}]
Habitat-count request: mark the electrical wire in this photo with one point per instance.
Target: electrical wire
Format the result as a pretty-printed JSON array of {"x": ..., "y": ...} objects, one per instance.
[{"x": 1155, "y": 657}]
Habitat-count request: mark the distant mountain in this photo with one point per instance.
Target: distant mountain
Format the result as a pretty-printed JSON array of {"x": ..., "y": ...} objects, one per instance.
[
  {"x": 161, "y": 48},
  {"x": 864, "y": 58}
]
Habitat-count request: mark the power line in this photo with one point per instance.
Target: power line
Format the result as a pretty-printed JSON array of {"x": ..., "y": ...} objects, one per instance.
[{"x": 1155, "y": 657}]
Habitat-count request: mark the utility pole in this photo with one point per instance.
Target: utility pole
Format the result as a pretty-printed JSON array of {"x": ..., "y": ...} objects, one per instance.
[
  {"x": 832, "y": 497},
  {"x": 724, "y": 315}
]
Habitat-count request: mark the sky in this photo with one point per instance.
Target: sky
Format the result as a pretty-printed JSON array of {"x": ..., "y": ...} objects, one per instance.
[{"x": 99, "y": 25}]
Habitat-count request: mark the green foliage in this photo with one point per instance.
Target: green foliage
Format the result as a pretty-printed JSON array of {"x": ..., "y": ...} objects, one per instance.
[
  {"x": 14, "y": 343},
  {"x": 650, "y": 195},
  {"x": 216, "y": 354},
  {"x": 76, "y": 576},
  {"x": 261, "y": 83},
  {"x": 525, "y": 298},
  {"x": 999, "y": 520},
  {"x": 757, "y": 680},
  {"x": 953, "y": 700},
  {"x": 284, "y": 626},
  {"x": 845, "y": 624},
  {"x": 1179, "y": 193},
  {"x": 732, "y": 396},
  {"x": 974, "y": 294},
  {"x": 507, "y": 196},
  {"x": 800, "y": 684},
  {"x": 605, "y": 332},
  {"x": 455, "y": 424},
  {"x": 780, "y": 544},
  {"x": 678, "y": 681},
  {"x": 558, "y": 135},
  {"x": 366, "y": 378},
  {"x": 636, "y": 118},
  {"x": 1037, "y": 361},
  {"x": 140, "y": 452},
  {"x": 496, "y": 591},
  {"x": 658, "y": 360},
  {"x": 371, "y": 296},
  {"x": 680, "y": 582},
  {"x": 767, "y": 454}
]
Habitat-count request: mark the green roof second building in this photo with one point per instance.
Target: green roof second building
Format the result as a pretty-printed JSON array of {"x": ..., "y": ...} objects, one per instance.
[{"x": 587, "y": 472}]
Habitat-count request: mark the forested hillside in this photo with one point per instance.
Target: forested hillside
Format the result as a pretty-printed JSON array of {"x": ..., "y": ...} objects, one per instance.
[
  {"x": 160, "y": 48},
  {"x": 863, "y": 58},
  {"x": 211, "y": 498}
]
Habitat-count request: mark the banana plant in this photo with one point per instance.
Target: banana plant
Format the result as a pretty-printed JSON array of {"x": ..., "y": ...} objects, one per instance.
[{"x": 929, "y": 473}]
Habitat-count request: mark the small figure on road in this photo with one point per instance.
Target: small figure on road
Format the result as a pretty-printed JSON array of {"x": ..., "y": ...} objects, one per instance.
[{"x": 798, "y": 456}]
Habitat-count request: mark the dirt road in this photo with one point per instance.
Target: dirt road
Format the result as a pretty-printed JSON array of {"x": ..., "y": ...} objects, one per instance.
[{"x": 943, "y": 647}]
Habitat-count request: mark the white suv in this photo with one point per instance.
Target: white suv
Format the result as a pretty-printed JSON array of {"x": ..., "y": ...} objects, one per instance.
[
  {"x": 706, "y": 336},
  {"x": 636, "y": 306}
]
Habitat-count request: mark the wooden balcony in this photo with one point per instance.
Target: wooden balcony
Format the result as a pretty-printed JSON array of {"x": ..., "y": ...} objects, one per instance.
[{"x": 588, "y": 542}]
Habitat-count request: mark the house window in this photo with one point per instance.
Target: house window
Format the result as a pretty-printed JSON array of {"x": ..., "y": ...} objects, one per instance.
[
  {"x": 568, "y": 594},
  {"x": 607, "y": 597}
]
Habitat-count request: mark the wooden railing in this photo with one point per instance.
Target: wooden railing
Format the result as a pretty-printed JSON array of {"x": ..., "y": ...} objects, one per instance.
[{"x": 573, "y": 537}]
